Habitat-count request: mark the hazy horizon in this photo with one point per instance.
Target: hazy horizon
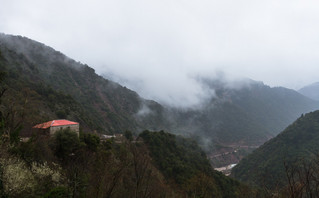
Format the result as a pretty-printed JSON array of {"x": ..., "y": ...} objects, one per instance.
[{"x": 158, "y": 48}]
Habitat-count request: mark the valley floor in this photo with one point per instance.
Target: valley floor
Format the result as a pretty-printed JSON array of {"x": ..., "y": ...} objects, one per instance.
[
  {"x": 226, "y": 169},
  {"x": 225, "y": 158}
]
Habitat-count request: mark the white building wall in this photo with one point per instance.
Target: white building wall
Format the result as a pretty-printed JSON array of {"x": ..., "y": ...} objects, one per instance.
[{"x": 74, "y": 127}]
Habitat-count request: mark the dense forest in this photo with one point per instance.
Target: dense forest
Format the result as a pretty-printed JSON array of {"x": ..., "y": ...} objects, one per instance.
[
  {"x": 289, "y": 160},
  {"x": 156, "y": 164}
]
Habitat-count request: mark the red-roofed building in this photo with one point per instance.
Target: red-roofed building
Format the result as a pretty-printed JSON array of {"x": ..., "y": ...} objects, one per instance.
[{"x": 55, "y": 125}]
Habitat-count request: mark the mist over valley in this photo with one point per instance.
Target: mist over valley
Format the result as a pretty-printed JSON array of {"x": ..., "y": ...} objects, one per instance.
[{"x": 152, "y": 99}]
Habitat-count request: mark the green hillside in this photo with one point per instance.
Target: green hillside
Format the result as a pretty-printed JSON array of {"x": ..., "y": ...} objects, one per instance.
[
  {"x": 66, "y": 165},
  {"x": 59, "y": 87},
  {"x": 298, "y": 143},
  {"x": 184, "y": 164}
]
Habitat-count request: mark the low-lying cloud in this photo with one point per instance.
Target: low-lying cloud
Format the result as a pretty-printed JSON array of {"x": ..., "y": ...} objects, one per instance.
[
  {"x": 168, "y": 87},
  {"x": 158, "y": 47}
]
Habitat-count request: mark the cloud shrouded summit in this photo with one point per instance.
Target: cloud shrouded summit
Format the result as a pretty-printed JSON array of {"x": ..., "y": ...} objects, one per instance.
[{"x": 159, "y": 47}]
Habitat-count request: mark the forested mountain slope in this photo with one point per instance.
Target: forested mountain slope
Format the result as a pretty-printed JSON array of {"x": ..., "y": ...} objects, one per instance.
[
  {"x": 43, "y": 84},
  {"x": 56, "y": 86},
  {"x": 65, "y": 165},
  {"x": 296, "y": 145},
  {"x": 184, "y": 164},
  {"x": 248, "y": 114}
]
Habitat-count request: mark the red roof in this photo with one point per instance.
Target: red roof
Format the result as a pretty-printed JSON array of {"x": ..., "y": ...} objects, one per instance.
[{"x": 55, "y": 123}]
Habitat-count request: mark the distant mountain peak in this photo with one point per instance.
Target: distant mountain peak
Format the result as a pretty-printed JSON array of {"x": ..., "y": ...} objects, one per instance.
[{"x": 311, "y": 91}]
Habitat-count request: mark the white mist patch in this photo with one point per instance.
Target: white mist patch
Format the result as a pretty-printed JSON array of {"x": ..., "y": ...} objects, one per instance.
[
  {"x": 144, "y": 110},
  {"x": 168, "y": 87},
  {"x": 178, "y": 89},
  {"x": 206, "y": 143}
]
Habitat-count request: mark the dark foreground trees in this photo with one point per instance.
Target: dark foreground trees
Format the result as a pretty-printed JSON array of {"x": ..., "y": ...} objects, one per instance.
[
  {"x": 68, "y": 166},
  {"x": 303, "y": 179},
  {"x": 74, "y": 167}
]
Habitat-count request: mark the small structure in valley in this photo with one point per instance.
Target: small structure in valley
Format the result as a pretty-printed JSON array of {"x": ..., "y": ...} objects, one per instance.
[{"x": 55, "y": 125}]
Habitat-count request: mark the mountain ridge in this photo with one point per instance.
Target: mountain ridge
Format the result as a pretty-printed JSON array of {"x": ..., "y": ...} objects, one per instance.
[
  {"x": 76, "y": 79},
  {"x": 56, "y": 86},
  {"x": 311, "y": 91}
]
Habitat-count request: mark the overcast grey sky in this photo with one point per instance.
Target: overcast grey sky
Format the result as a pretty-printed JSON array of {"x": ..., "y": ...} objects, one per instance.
[{"x": 158, "y": 47}]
